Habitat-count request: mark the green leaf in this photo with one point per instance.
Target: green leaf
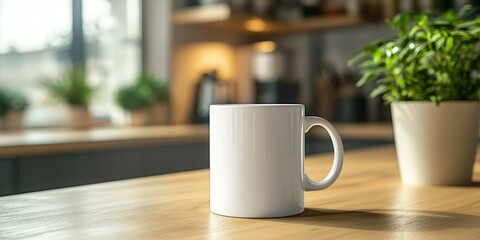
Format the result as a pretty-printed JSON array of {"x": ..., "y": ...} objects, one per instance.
[
  {"x": 369, "y": 64},
  {"x": 440, "y": 43},
  {"x": 414, "y": 30},
  {"x": 378, "y": 55},
  {"x": 475, "y": 30},
  {"x": 400, "y": 81},
  {"x": 389, "y": 63},
  {"x": 466, "y": 11},
  {"x": 426, "y": 57},
  {"x": 369, "y": 75},
  {"x": 357, "y": 58},
  {"x": 404, "y": 52},
  {"x": 422, "y": 19},
  {"x": 449, "y": 43},
  {"x": 467, "y": 35},
  {"x": 381, "y": 89},
  {"x": 385, "y": 80},
  {"x": 467, "y": 24},
  {"x": 404, "y": 21},
  {"x": 421, "y": 36},
  {"x": 420, "y": 47},
  {"x": 436, "y": 37}
]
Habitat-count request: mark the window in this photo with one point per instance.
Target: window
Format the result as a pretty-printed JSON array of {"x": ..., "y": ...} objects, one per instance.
[
  {"x": 112, "y": 31},
  {"x": 34, "y": 43},
  {"x": 37, "y": 41}
]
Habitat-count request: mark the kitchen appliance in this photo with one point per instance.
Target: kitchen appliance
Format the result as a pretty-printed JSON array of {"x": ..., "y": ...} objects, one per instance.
[
  {"x": 209, "y": 90},
  {"x": 271, "y": 75}
]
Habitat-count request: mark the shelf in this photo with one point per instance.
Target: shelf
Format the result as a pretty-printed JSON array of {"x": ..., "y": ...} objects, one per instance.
[
  {"x": 203, "y": 14},
  {"x": 221, "y": 17}
]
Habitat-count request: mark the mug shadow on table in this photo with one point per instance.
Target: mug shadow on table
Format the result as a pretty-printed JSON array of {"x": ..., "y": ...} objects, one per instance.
[{"x": 397, "y": 220}]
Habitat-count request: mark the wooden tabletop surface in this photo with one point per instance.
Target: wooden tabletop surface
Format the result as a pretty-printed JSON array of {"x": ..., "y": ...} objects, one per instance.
[{"x": 367, "y": 202}]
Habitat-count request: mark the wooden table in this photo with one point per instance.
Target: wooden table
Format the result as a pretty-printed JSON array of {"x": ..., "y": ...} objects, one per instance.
[{"x": 367, "y": 202}]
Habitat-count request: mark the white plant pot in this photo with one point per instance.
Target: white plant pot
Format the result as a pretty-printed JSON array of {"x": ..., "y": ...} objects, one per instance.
[
  {"x": 436, "y": 145},
  {"x": 80, "y": 117}
]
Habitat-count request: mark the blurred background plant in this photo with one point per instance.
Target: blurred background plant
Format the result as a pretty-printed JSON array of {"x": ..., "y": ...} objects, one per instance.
[
  {"x": 12, "y": 106},
  {"x": 18, "y": 102},
  {"x": 12, "y": 101},
  {"x": 135, "y": 96},
  {"x": 142, "y": 98},
  {"x": 158, "y": 87},
  {"x": 71, "y": 88},
  {"x": 4, "y": 103}
]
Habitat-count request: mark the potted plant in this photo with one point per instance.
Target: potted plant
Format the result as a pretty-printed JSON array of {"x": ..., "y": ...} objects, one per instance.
[
  {"x": 4, "y": 108},
  {"x": 429, "y": 73},
  {"x": 136, "y": 98},
  {"x": 72, "y": 88},
  {"x": 12, "y": 108},
  {"x": 18, "y": 104},
  {"x": 159, "y": 107}
]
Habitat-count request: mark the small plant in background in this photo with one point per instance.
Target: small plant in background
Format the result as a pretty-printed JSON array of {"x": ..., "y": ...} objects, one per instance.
[
  {"x": 145, "y": 98},
  {"x": 12, "y": 101},
  {"x": 135, "y": 96},
  {"x": 12, "y": 106},
  {"x": 4, "y": 103},
  {"x": 145, "y": 91},
  {"x": 158, "y": 87},
  {"x": 429, "y": 59},
  {"x": 18, "y": 102},
  {"x": 71, "y": 88}
]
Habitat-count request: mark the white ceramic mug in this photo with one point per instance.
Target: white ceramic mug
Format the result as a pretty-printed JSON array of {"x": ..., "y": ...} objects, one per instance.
[{"x": 257, "y": 158}]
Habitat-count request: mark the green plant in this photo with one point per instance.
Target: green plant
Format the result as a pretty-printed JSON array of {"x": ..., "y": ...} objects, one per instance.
[
  {"x": 158, "y": 87},
  {"x": 429, "y": 59},
  {"x": 134, "y": 97},
  {"x": 18, "y": 102},
  {"x": 71, "y": 88},
  {"x": 146, "y": 90},
  {"x": 4, "y": 103},
  {"x": 12, "y": 101}
]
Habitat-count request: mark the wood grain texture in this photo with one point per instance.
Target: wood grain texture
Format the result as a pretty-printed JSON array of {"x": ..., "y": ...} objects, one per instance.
[{"x": 367, "y": 202}]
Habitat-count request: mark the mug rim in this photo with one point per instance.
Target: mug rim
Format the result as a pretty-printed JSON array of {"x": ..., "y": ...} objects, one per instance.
[{"x": 257, "y": 105}]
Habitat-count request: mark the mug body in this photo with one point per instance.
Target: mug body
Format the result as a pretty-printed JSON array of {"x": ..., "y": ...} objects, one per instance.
[{"x": 256, "y": 160}]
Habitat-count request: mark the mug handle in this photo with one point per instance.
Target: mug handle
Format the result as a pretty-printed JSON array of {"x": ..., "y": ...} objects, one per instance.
[{"x": 337, "y": 154}]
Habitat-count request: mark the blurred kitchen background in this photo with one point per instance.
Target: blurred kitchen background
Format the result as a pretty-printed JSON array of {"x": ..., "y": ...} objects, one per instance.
[{"x": 197, "y": 52}]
